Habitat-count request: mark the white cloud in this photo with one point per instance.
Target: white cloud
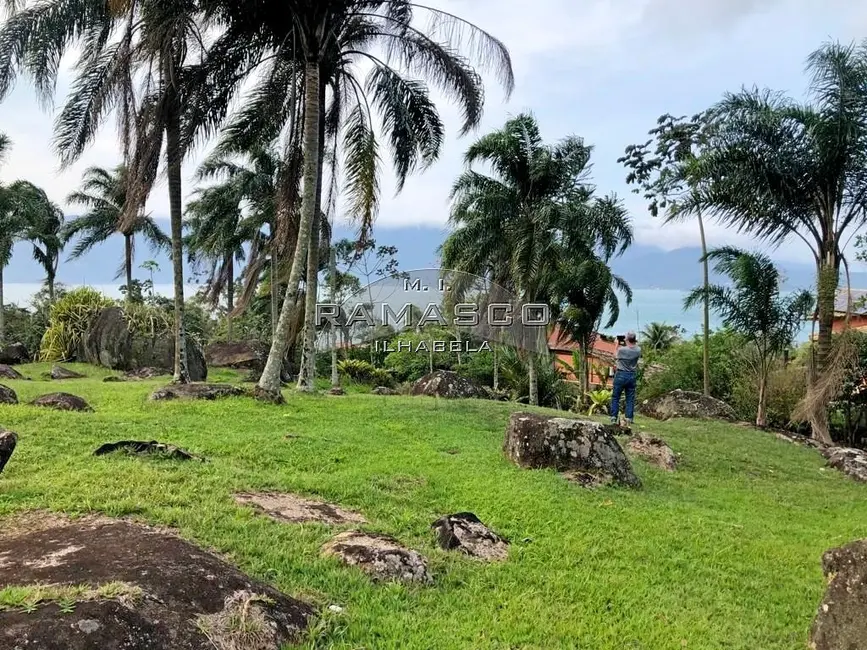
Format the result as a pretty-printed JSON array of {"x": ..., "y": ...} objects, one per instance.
[{"x": 599, "y": 68}]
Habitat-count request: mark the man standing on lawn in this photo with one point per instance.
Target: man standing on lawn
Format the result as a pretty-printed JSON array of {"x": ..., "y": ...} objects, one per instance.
[{"x": 625, "y": 374}]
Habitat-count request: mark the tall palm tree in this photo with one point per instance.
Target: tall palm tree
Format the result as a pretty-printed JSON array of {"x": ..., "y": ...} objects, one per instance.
[
  {"x": 124, "y": 43},
  {"x": 753, "y": 307},
  {"x": 780, "y": 169},
  {"x": 43, "y": 230},
  {"x": 318, "y": 42},
  {"x": 659, "y": 337},
  {"x": 218, "y": 233},
  {"x": 529, "y": 215},
  {"x": 104, "y": 195}
]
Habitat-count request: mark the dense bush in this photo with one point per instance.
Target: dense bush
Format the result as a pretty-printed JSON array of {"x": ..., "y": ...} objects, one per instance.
[
  {"x": 408, "y": 364},
  {"x": 365, "y": 372},
  {"x": 554, "y": 392},
  {"x": 681, "y": 367},
  {"x": 70, "y": 318},
  {"x": 787, "y": 385}
]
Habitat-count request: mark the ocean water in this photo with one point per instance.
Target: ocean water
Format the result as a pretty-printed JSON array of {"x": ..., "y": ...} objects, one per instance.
[
  {"x": 666, "y": 306},
  {"x": 648, "y": 306}
]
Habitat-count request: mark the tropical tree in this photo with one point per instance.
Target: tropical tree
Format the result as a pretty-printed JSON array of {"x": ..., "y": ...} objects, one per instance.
[
  {"x": 319, "y": 43},
  {"x": 754, "y": 308},
  {"x": 659, "y": 337},
  {"x": 218, "y": 233},
  {"x": 665, "y": 170},
  {"x": 533, "y": 220},
  {"x": 43, "y": 221},
  {"x": 103, "y": 194},
  {"x": 780, "y": 169}
]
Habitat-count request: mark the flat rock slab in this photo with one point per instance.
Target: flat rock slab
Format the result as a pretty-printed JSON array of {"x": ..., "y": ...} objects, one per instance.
[
  {"x": 852, "y": 462},
  {"x": 384, "y": 390},
  {"x": 654, "y": 450},
  {"x": 146, "y": 373},
  {"x": 536, "y": 441},
  {"x": 382, "y": 557},
  {"x": 197, "y": 391},
  {"x": 337, "y": 390},
  {"x": 185, "y": 591},
  {"x": 841, "y": 622},
  {"x": 62, "y": 402},
  {"x": 466, "y": 533},
  {"x": 686, "y": 404},
  {"x": 8, "y": 372},
  {"x": 7, "y": 395},
  {"x": 8, "y": 441},
  {"x": 297, "y": 509},
  {"x": 587, "y": 479},
  {"x": 152, "y": 448},
  {"x": 449, "y": 385},
  {"x": 59, "y": 372}
]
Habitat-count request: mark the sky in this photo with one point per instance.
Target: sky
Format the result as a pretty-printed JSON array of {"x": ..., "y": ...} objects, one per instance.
[{"x": 600, "y": 69}]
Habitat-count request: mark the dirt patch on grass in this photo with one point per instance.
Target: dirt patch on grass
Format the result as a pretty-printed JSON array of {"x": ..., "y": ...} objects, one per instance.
[
  {"x": 64, "y": 576},
  {"x": 297, "y": 509}
]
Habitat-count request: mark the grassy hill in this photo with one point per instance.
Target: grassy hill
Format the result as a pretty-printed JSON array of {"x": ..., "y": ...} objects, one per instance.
[{"x": 724, "y": 553}]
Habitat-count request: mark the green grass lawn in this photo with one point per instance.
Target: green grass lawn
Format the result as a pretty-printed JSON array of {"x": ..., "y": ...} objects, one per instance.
[{"x": 724, "y": 553}]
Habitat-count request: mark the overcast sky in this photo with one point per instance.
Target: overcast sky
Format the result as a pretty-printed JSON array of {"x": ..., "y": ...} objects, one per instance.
[{"x": 600, "y": 69}]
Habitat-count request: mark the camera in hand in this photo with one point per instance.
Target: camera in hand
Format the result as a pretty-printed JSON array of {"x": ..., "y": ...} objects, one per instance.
[{"x": 621, "y": 339}]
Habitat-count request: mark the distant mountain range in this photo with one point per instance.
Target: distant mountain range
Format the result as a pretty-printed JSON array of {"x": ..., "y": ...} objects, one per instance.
[
  {"x": 643, "y": 267},
  {"x": 647, "y": 267}
]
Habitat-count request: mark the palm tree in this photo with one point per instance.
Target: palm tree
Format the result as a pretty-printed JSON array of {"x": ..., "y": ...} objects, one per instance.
[
  {"x": 779, "y": 169},
  {"x": 104, "y": 195},
  {"x": 44, "y": 232},
  {"x": 319, "y": 42},
  {"x": 154, "y": 45},
  {"x": 665, "y": 169},
  {"x": 754, "y": 308},
  {"x": 659, "y": 337},
  {"x": 218, "y": 233},
  {"x": 532, "y": 214}
]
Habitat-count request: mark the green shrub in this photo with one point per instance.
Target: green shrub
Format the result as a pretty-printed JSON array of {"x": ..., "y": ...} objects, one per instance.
[
  {"x": 786, "y": 387},
  {"x": 681, "y": 367},
  {"x": 553, "y": 390},
  {"x": 408, "y": 363},
  {"x": 70, "y": 318},
  {"x": 365, "y": 372}
]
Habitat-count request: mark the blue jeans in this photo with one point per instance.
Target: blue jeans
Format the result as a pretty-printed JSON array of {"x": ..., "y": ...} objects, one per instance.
[{"x": 623, "y": 381}]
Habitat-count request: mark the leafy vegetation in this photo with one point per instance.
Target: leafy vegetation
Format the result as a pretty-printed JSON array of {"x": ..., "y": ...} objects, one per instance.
[{"x": 603, "y": 568}]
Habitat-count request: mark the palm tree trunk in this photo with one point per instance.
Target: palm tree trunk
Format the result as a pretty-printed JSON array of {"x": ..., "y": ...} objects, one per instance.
[
  {"x": 307, "y": 376},
  {"x": 496, "y": 367},
  {"x": 275, "y": 314},
  {"x": 269, "y": 384},
  {"x": 332, "y": 270},
  {"x": 829, "y": 276},
  {"x": 50, "y": 279},
  {"x": 532, "y": 376},
  {"x": 705, "y": 361},
  {"x": 173, "y": 166},
  {"x": 761, "y": 418},
  {"x": 127, "y": 263},
  {"x": 230, "y": 297},
  {"x": 2, "y": 312}
]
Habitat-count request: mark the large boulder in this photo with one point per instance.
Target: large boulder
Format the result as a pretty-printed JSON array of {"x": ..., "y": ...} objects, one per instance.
[
  {"x": 109, "y": 343},
  {"x": 537, "y": 441},
  {"x": 8, "y": 440},
  {"x": 59, "y": 372},
  {"x": 654, "y": 450},
  {"x": 8, "y": 372},
  {"x": 841, "y": 622},
  {"x": 448, "y": 384},
  {"x": 197, "y": 391},
  {"x": 14, "y": 354},
  {"x": 7, "y": 395},
  {"x": 465, "y": 532},
  {"x": 62, "y": 402},
  {"x": 852, "y": 462},
  {"x": 239, "y": 355},
  {"x": 132, "y": 587},
  {"x": 380, "y": 556},
  {"x": 686, "y": 404}
]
